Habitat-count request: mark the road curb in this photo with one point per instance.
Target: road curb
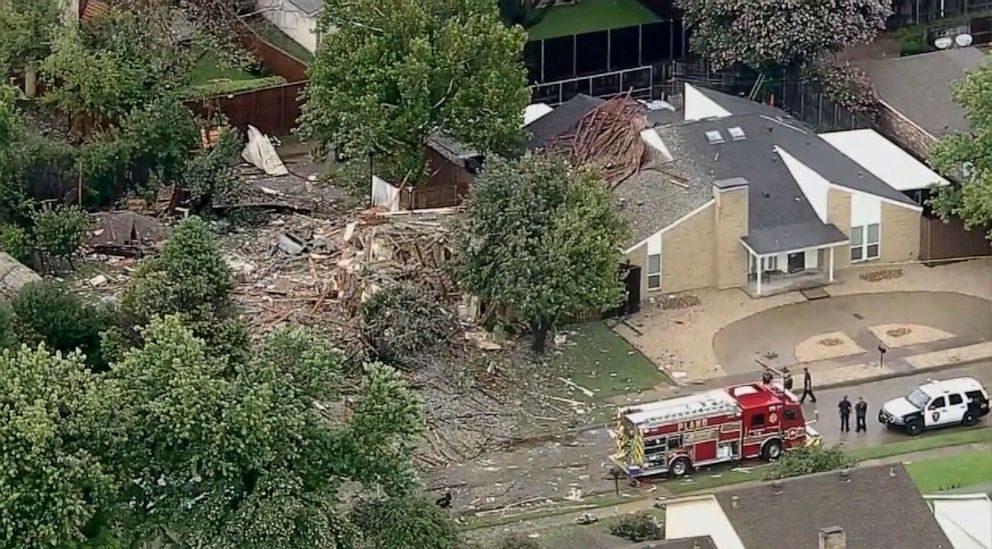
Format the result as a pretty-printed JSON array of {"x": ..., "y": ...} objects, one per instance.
[{"x": 824, "y": 387}]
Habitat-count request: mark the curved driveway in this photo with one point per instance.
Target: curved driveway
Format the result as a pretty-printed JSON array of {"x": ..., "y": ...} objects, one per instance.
[{"x": 779, "y": 330}]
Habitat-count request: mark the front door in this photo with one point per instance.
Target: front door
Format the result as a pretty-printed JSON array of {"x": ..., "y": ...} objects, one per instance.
[
  {"x": 957, "y": 406},
  {"x": 797, "y": 262},
  {"x": 937, "y": 413}
]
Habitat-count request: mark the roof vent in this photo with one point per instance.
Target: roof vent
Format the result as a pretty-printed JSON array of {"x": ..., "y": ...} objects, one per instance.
[
  {"x": 714, "y": 137},
  {"x": 737, "y": 133}
]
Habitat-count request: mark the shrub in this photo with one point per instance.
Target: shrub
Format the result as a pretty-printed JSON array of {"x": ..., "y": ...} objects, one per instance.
[
  {"x": 401, "y": 321},
  {"x": 637, "y": 528},
  {"x": 844, "y": 84},
  {"x": 813, "y": 459},
  {"x": 14, "y": 241},
  {"x": 406, "y": 522},
  {"x": 46, "y": 312},
  {"x": 8, "y": 328},
  {"x": 189, "y": 278},
  {"x": 60, "y": 231}
]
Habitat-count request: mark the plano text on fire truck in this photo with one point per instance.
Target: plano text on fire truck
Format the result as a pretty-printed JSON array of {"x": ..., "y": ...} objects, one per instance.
[{"x": 731, "y": 424}]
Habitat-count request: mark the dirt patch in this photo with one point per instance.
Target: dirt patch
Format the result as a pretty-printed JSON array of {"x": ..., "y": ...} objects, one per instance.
[
  {"x": 904, "y": 335},
  {"x": 673, "y": 302},
  {"x": 826, "y": 346},
  {"x": 880, "y": 275}
]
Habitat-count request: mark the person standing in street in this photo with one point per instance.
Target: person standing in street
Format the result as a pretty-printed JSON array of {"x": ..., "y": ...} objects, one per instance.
[
  {"x": 845, "y": 415},
  {"x": 860, "y": 413},
  {"x": 766, "y": 377},
  {"x": 787, "y": 379},
  {"x": 807, "y": 387}
]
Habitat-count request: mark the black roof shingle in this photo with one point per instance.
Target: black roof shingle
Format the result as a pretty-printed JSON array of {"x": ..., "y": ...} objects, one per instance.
[{"x": 560, "y": 121}]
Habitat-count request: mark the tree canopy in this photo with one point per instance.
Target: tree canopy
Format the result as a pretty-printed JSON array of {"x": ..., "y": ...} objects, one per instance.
[
  {"x": 541, "y": 239},
  {"x": 396, "y": 71},
  {"x": 967, "y": 157},
  {"x": 764, "y": 32}
]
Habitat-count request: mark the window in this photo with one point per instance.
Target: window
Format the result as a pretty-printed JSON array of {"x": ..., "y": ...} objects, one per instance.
[
  {"x": 757, "y": 420},
  {"x": 955, "y": 399},
  {"x": 654, "y": 271},
  {"x": 771, "y": 263},
  {"x": 864, "y": 242},
  {"x": 974, "y": 396},
  {"x": 674, "y": 442},
  {"x": 937, "y": 403},
  {"x": 714, "y": 137},
  {"x": 789, "y": 415}
]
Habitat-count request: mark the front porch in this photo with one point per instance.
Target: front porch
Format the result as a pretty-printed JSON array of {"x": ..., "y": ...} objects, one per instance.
[
  {"x": 789, "y": 271},
  {"x": 777, "y": 282}
]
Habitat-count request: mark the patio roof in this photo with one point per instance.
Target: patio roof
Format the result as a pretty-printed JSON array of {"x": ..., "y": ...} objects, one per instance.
[
  {"x": 791, "y": 238},
  {"x": 591, "y": 16}
]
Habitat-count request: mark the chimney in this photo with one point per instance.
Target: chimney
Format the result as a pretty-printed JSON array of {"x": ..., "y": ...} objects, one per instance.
[
  {"x": 731, "y": 224},
  {"x": 833, "y": 538},
  {"x": 735, "y": 502}
]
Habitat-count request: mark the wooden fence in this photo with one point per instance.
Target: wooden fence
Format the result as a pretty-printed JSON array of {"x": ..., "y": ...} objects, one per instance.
[
  {"x": 272, "y": 110},
  {"x": 939, "y": 240}
]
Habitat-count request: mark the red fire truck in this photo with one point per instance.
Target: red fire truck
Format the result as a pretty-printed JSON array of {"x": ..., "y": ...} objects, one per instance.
[{"x": 736, "y": 423}]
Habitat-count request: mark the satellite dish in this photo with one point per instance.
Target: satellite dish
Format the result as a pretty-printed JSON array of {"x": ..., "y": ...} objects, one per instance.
[
  {"x": 963, "y": 40},
  {"x": 943, "y": 43}
]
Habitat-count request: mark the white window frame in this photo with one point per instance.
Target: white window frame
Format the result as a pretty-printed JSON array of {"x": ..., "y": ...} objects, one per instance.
[
  {"x": 654, "y": 274},
  {"x": 865, "y": 244},
  {"x": 770, "y": 263}
]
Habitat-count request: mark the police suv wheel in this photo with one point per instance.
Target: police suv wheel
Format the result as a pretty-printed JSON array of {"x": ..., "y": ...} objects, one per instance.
[
  {"x": 772, "y": 451},
  {"x": 679, "y": 468},
  {"x": 969, "y": 419},
  {"x": 914, "y": 427}
]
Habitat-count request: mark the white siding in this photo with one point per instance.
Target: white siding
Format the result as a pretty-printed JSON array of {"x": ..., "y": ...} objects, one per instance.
[
  {"x": 812, "y": 259},
  {"x": 865, "y": 209},
  {"x": 813, "y": 185},
  {"x": 884, "y": 159},
  {"x": 292, "y": 21},
  {"x": 966, "y": 519},
  {"x": 698, "y": 106},
  {"x": 654, "y": 244}
]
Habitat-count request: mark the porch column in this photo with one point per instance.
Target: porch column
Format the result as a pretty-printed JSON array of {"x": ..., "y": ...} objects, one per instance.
[
  {"x": 831, "y": 263},
  {"x": 761, "y": 267}
]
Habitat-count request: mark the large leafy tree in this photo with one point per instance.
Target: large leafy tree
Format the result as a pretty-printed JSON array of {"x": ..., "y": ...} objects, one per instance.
[
  {"x": 541, "y": 239},
  {"x": 391, "y": 73},
  {"x": 765, "y": 32},
  {"x": 27, "y": 28},
  {"x": 53, "y": 483},
  {"x": 968, "y": 157}
]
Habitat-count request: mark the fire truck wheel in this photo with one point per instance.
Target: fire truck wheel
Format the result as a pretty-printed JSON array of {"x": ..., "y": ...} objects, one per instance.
[
  {"x": 772, "y": 450},
  {"x": 678, "y": 468}
]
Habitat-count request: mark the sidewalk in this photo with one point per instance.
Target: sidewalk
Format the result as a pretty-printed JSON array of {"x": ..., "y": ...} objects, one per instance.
[{"x": 647, "y": 504}]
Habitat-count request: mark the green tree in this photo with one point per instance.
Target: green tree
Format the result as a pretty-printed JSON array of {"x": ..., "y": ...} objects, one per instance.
[
  {"x": 60, "y": 231},
  {"x": 46, "y": 312},
  {"x": 250, "y": 457},
  {"x": 406, "y": 522},
  {"x": 766, "y": 32},
  {"x": 967, "y": 157},
  {"x": 53, "y": 484},
  {"x": 189, "y": 277},
  {"x": 397, "y": 71},
  {"x": 402, "y": 321},
  {"x": 542, "y": 240},
  {"x": 28, "y": 28}
]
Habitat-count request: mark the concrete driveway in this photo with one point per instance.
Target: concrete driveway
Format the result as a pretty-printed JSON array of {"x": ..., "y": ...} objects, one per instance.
[{"x": 774, "y": 335}]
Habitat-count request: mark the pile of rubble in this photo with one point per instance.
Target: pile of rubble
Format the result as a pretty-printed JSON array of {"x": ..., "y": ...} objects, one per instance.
[{"x": 316, "y": 272}]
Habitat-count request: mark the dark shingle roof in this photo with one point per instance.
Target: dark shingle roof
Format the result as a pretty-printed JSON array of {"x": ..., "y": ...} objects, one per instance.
[
  {"x": 793, "y": 237},
  {"x": 309, "y": 7},
  {"x": 560, "y": 121},
  {"x": 918, "y": 86},
  {"x": 875, "y": 510}
]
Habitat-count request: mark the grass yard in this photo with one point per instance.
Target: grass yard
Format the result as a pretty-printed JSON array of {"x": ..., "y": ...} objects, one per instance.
[
  {"x": 210, "y": 68},
  {"x": 591, "y": 16},
  {"x": 918, "y": 444},
  {"x": 598, "y": 359},
  {"x": 962, "y": 470}
]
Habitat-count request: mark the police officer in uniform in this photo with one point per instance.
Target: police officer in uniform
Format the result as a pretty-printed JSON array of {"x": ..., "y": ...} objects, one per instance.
[
  {"x": 860, "y": 413},
  {"x": 845, "y": 415}
]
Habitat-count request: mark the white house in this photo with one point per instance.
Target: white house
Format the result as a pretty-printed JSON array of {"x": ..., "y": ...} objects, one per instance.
[
  {"x": 299, "y": 19},
  {"x": 965, "y": 518}
]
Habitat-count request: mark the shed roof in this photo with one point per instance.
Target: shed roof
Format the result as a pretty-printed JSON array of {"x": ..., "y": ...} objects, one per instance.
[
  {"x": 918, "y": 86},
  {"x": 309, "y": 7}
]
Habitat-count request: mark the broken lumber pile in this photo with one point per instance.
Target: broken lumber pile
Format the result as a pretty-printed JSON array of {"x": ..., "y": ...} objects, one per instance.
[{"x": 608, "y": 137}]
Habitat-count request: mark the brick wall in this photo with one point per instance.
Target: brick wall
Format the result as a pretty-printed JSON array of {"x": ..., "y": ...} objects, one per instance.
[
  {"x": 904, "y": 132},
  {"x": 731, "y": 224},
  {"x": 839, "y": 213},
  {"x": 688, "y": 252},
  {"x": 900, "y": 234}
]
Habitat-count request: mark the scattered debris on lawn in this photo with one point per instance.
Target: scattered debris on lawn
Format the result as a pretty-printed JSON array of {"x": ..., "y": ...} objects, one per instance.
[
  {"x": 880, "y": 275},
  {"x": 684, "y": 301}
]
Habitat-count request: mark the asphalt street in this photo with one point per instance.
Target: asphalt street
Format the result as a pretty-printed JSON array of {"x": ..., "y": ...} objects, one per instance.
[{"x": 577, "y": 464}]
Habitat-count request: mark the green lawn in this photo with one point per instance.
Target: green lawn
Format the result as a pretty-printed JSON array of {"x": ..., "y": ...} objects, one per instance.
[
  {"x": 962, "y": 470},
  {"x": 210, "y": 68},
  {"x": 918, "y": 444},
  {"x": 601, "y": 361},
  {"x": 591, "y": 16},
  {"x": 279, "y": 39}
]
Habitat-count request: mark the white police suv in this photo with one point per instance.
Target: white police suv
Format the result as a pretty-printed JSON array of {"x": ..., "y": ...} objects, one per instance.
[{"x": 959, "y": 401}]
